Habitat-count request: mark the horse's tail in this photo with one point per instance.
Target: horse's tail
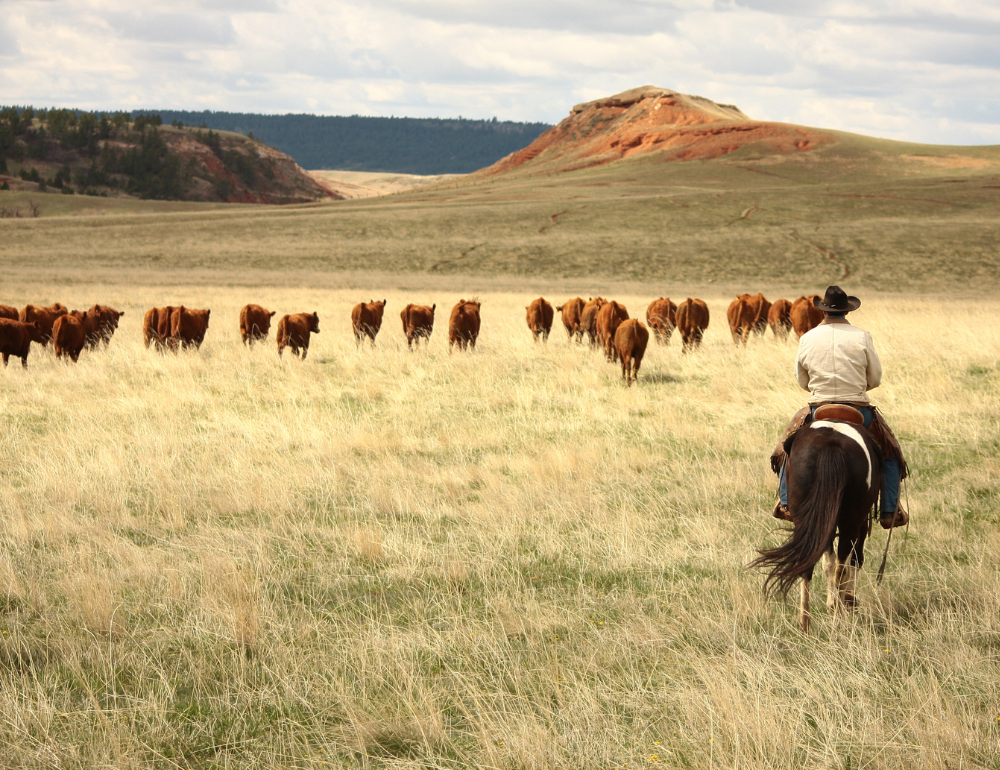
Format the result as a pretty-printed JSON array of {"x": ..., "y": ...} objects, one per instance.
[{"x": 814, "y": 526}]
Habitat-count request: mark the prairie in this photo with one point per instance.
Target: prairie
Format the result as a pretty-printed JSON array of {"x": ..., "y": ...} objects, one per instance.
[{"x": 501, "y": 559}]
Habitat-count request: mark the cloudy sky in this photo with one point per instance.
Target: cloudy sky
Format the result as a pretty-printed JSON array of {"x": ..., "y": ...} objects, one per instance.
[{"x": 904, "y": 69}]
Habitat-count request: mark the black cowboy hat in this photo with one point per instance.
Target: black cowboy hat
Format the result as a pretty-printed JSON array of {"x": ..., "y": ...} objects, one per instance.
[{"x": 837, "y": 301}]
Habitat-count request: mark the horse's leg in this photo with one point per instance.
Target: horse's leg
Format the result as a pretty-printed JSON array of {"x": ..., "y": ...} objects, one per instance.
[
  {"x": 847, "y": 570},
  {"x": 805, "y": 617},
  {"x": 830, "y": 570}
]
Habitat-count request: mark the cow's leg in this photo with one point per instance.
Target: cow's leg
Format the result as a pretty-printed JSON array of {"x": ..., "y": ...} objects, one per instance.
[
  {"x": 24, "y": 361},
  {"x": 5, "y": 357}
]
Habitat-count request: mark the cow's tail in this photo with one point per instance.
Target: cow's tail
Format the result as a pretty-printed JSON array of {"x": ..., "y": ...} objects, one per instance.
[{"x": 815, "y": 521}]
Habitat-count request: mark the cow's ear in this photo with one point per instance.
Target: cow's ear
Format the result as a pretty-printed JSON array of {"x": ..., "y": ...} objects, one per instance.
[
  {"x": 121, "y": 314},
  {"x": 272, "y": 313},
  {"x": 433, "y": 308}
]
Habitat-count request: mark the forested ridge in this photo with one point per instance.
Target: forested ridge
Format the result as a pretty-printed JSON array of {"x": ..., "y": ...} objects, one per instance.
[
  {"x": 356, "y": 143},
  {"x": 95, "y": 153}
]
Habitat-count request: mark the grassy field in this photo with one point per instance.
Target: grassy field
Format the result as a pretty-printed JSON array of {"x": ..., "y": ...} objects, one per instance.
[
  {"x": 502, "y": 559},
  {"x": 878, "y": 215}
]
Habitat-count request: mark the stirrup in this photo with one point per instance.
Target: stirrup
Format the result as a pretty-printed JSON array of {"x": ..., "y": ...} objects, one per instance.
[
  {"x": 781, "y": 512},
  {"x": 901, "y": 519}
]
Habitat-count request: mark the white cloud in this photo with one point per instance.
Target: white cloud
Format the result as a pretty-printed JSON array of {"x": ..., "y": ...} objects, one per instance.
[{"x": 898, "y": 68}]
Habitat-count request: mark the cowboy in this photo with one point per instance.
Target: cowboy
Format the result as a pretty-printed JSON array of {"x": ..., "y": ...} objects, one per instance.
[{"x": 838, "y": 364}]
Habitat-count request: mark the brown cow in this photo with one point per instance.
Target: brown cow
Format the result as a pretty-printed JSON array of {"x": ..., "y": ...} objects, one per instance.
[
  {"x": 804, "y": 315},
  {"x": 747, "y": 313},
  {"x": 661, "y": 315},
  {"x": 609, "y": 318},
  {"x": 418, "y": 321},
  {"x": 463, "y": 326},
  {"x": 588, "y": 318},
  {"x": 70, "y": 333},
  {"x": 16, "y": 338},
  {"x": 6, "y": 311},
  {"x": 107, "y": 324},
  {"x": 630, "y": 345},
  {"x": 255, "y": 323},
  {"x": 692, "y": 320},
  {"x": 294, "y": 331},
  {"x": 366, "y": 317},
  {"x": 188, "y": 327},
  {"x": 572, "y": 310},
  {"x": 540, "y": 319},
  {"x": 156, "y": 326},
  {"x": 43, "y": 318},
  {"x": 778, "y": 318}
]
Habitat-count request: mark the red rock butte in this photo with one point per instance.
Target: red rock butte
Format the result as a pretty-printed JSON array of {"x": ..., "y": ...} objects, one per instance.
[{"x": 678, "y": 127}]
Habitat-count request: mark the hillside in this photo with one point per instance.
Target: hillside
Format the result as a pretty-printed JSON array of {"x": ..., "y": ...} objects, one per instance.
[
  {"x": 425, "y": 146},
  {"x": 874, "y": 214},
  {"x": 650, "y": 119},
  {"x": 102, "y": 155}
]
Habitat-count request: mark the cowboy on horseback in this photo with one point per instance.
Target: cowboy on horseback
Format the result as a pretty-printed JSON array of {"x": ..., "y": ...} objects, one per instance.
[{"x": 838, "y": 364}]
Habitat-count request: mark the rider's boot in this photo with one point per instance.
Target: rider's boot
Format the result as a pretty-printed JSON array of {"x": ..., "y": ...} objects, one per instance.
[
  {"x": 899, "y": 519},
  {"x": 781, "y": 512}
]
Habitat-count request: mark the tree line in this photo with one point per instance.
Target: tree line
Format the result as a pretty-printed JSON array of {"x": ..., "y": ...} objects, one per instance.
[{"x": 357, "y": 143}]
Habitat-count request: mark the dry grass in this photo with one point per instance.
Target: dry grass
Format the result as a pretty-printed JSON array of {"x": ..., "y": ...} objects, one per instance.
[{"x": 503, "y": 559}]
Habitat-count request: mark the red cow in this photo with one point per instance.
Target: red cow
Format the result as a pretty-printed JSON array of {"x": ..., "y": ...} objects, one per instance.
[
  {"x": 630, "y": 344},
  {"x": 294, "y": 331},
  {"x": 661, "y": 315},
  {"x": 255, "y": 323},
  {"x": 16, "y": 338},
  {"x": 418, "y": 323},
  {"x": 463, "y": 326},
  {"x": 692, "y": 320},
  {"x": 572, "y": 312},
  {"x": 366, "y": 318},
  {"x": 540, "y": 319}
]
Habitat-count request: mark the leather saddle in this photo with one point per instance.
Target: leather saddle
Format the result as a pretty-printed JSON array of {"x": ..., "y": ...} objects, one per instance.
[{"x": 843, "y": 412}]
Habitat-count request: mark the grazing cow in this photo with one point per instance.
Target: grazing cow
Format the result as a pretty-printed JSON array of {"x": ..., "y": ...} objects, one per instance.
[
  {"x": 156, "y": 326},
  {"x": 661, "y": 315},
  {"x": 747, "y": 313},
  {"x": 692, "y": 320},
  {"x": 16, "y": 338},
  {"x": 418, "y": 322},
  {"x": 6, "y": 311},
  {"x": 778, "y": 318},
  {"x": 463, "y": 326},
  {"x": 255, "y": 323},
  {"x": 43, "y": 318},
  {"x": 588, "y": 318},
  {"x": 540, "y": 319},
  {"x": 188, "y": 327},
  {"x": 294, "y": 331},
  {"x": 107, "y": 324},
  {"x": 609, "y": 318},
  {"x": 366, "y": 317},
  {"x": 630, "y": 344},
  {"x": 804, "y": 315},
  {"x": 572, "y": 311},
  {"x": 70, "y": 333}
]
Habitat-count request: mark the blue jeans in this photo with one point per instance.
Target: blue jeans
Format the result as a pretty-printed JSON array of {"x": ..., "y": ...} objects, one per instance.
[{"x": 890, "y": 473}]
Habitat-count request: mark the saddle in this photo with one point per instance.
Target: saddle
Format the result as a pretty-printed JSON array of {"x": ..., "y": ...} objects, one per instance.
[{"x": 880, "y": 432}]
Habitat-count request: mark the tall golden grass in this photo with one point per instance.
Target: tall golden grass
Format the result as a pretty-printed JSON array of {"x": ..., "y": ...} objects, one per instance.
[{"x": 500, "y": 559}]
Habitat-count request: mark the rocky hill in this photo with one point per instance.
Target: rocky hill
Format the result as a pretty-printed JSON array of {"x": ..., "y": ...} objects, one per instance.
[
  {"x": 116, "y": 156},
  {"x": 652, "y": 120}
]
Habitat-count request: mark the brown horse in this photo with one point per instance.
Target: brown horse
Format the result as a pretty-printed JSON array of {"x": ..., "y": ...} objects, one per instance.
[{"x": 834, "y": 474}]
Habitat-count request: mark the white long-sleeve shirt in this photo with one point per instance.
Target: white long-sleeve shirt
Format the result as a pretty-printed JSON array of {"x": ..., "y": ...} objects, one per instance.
[{"x": 837, "y": 362}]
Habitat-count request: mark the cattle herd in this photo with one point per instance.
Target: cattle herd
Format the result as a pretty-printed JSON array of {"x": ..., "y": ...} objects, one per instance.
[{"x": 606, "y": 324}]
